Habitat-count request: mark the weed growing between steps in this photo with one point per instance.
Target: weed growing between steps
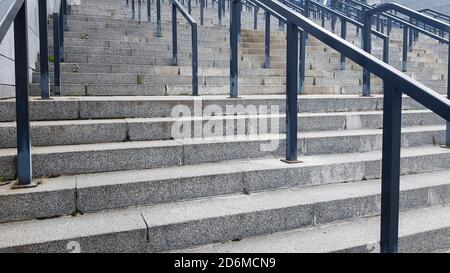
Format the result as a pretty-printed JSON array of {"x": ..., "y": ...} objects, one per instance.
[{"x": 228, "y": 122}]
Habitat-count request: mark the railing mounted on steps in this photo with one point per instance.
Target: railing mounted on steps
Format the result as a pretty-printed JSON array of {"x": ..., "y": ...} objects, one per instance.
[
  {"x": 395, "y": 83},
  {"x": 194, "y": 56},
  {"x": 59, "y": 23},
  {"x": 445, "y": 27},
  {"x": 436, "y": 14},
  {"x": 15, "y": 11}
]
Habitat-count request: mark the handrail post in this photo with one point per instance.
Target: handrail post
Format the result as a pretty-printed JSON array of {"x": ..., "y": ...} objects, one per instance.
[
  {"x": 343, "y": 36},
  {"x": 43, "y": 50},
  {"x": 24, "y": 162},
  {"x": 386, "y": 50},
  {"x": 158, "y": 18},
  {"x": 291, "y": 92},
  {"x": 447, "y": 132},
  {"x": 189, "y": 7},
  {"x": 202, "y": 6},
  {"x": 219, "y": 11},
  {"x": 333, "y": 16},
  {"x": 64, "y": 9},
  {"x": 255, "y": 17},
  {"x": 302, "y": 64},
  {"x": 267, "y": 40},
  {"x": 61, "y": 33},
  {"x": 139, "y": 10},
  {"x": 132, "y": 9},
  {"x": 174, "y": 35},
  {"x": 405, "y": 48},
  {"x": 234, "y": 36},
  {"x": 390, "y": 181},
  {"x": 280, "y": 23},
  {"x": 194, "y": 60},
  {"x": 56, "y": 54},
  {"x": 149, "y": 10},
  {"x": 367, "y": 46}
]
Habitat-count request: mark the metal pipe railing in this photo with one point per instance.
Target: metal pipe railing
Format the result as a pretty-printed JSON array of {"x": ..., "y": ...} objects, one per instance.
[
  {"x": 15, "y": 11},
  {"x": 413, "y": 15},
  {"x": 58, "y": 44},
  {"x": 395, "y": 83},
  {"x": 177, "y": 6}
]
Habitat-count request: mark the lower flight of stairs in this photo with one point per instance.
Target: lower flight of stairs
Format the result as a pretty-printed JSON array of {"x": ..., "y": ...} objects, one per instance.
[
  {"x": 124, "y": 185},
  {"x": 113, "y": 177}
]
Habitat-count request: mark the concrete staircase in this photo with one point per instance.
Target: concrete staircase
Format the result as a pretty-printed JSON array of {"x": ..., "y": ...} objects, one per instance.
[{"x": 113, "y": 178}]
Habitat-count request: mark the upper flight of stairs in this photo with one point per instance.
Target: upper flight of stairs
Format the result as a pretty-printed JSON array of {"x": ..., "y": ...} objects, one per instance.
[{"x": 113, "y": 178}]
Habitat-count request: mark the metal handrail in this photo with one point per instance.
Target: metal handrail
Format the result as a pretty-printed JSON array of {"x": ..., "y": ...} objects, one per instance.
[
  {"x": 58, "y": 42},
  {"x": 413, "y": 15},
  {"x": 15, "y": 11},
  {"x": 395, "y": 83},
  {"x": 436, "y": 14},
  {"x": 344, "y": 19},
  {"x": 178, "y": 6}
]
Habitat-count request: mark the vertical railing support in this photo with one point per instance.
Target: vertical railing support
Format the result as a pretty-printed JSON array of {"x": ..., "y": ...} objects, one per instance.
[
  {"x": 202, "y": 7},
  {"x": 405, "y": 49},
  {"x": 149, "y": 10},
  {"x": 343, "y": 36},
  {"x": 234, "y": 37},
  {"x": 390, "y": 181},
  {"x": 219, "y": 11},
  {"x": 132, "y": 9},
  {"x": 302, "y": 63},
  {"x": 174, "y": 36},
  {"x": 367, "y": 46},
  {"x": 194, "y": 60},
  {"x": 447, "y": 133},
  {"x": 386, "y": 50},
  {"x": 61, "y": 33},
  {"x": 43, "y": 50},
  {"x": 158, "y": 18},
  {"x": 139, "y": 10},
  {"x": 57, "y": 54},
  {"x": 189, "y": 7},
  {"x": 291, "y": 92},
  {"x": 24, "y": 163},
  {"x": 267, "y": 40},
  {"x": 255, "y": 17}
]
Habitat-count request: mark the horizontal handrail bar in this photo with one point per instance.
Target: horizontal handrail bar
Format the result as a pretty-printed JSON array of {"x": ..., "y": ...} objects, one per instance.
[
  {"x": 348, "y": 19},
  {"x": 403, "y": 22},
  {"x": 411, "y": 13},
  {"x": 184, "y": 12},
  {"x": 436, "y": 13},
  {"x": 8, "y": 12},
  {"x": 419, "y": 92},
  {"x": 266, "y": 8}
]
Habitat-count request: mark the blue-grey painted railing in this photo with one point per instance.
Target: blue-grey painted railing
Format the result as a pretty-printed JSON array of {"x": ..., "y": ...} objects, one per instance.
[
  {"x": 395, "y": 83},
  {"x": 445, "y": 27},
  {"x": 15, "y": 11},
  {"x": 58, "y": 42},
  {"x": 43, "y": 51},
  {"x": 177, "y": 6}
]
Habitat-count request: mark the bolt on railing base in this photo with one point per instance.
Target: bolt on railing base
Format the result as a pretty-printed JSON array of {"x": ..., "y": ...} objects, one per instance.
[
  {"x": 291, "y": 161},
  {"x": 17, "y": 185}
]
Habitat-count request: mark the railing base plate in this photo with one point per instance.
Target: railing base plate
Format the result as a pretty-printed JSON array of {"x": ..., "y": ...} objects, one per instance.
[
  {"x": 291, "y": 161},
  {"x": 445, "y": 146},
  {"x": 17, "y": 186}
]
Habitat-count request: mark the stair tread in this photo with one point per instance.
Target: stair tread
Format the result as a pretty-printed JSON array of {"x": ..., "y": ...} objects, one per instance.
[{"x": 357, "y": 235}]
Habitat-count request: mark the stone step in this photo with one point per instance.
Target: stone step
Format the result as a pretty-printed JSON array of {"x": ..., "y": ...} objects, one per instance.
[
  {"x": 422, "y": 230},
  {"x": 118, "y": 107},
  {"x": 51, "y": 161},
  {"x": 219, "y": 219},
  {"x": 66, "y": 132}
]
